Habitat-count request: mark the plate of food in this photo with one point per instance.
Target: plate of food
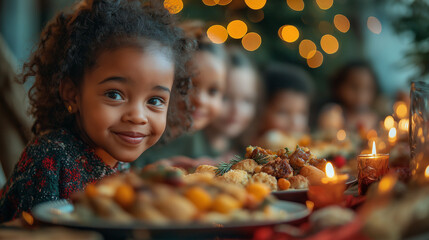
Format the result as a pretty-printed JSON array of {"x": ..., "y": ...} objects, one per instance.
[
  {"x": 287, "y": 173},
  {"x": 163, "y": 204}
]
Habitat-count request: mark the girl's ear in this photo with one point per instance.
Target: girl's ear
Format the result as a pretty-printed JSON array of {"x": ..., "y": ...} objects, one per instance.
[{"x": 69, "y": 94}]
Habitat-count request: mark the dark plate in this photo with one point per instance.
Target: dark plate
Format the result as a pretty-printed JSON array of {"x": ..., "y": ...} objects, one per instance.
[
  {"x": 300, "y": 195},
  {"x": 56, "y": 212}
]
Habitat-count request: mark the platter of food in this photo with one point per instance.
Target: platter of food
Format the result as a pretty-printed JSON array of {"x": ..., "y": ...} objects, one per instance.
[
  {"x": 163, "y": 204},
  {"x": 287, "y": 173}
]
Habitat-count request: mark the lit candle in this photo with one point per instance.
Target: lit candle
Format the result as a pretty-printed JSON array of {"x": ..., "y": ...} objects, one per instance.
[
  {"x": 330, "y": 190},
  {"x": 371, "y": 168}
]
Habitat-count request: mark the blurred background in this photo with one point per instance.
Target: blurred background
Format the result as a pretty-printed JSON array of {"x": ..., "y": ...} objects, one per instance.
[{"x": 320, "y": 36}]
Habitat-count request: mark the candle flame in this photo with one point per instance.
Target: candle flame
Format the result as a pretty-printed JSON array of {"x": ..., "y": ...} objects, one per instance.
[
  {"x": 374, "y": 150},
  {"x": 329, "y": 170},
  {"x": 427, "y": 172}
]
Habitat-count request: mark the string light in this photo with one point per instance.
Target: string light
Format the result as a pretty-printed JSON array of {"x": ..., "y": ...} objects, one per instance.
[
  {"x": 296, "y": 5},
  {"x": 173, "y": 6},
  {"x": 329, "y": 44},
  {"x": 374, "y": 25},
  {"x": 217, "y": 34},
  {"x": 289, "y": 33},
  {"x": 237, "y": 29},
  {"x": 325, "y": 4},
  {"x": 251, "y": 41},
  {"x": 307, "y": 48},
  {"x": 316, "y": 61},
  {"x": 255, "y": 4},
  {"x": 342, "y": 23}
]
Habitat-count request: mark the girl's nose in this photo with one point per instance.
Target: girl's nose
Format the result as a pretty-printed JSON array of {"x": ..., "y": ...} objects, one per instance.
[{"x": 136, "y": 114}]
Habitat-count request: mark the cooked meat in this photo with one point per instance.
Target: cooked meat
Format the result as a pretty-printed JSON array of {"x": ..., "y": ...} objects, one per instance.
[
  {"x": 239, "y": 177},
  {"x": 278, "y": 168},
  {"x": 319, "y": 163},
  {"x": 252, "y": 152},
  {"x": 298, "y": 159}
]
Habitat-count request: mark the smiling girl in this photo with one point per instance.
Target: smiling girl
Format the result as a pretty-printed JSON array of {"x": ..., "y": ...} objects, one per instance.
[{"x": 104, "y": 75}]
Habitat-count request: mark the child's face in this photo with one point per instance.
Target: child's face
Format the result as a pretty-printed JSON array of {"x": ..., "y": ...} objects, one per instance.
[
  {"x": 358, "y": 90},
  {"x": 239, "y": 102},
  {"x": 208, "y": 85},
  {"x": 287, "y": 112},
  {"x": 123, "y": 101}
]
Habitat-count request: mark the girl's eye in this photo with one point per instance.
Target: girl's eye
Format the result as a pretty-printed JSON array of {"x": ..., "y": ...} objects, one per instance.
[
  {"x": 213, "y": 91},
  {"x": 115, "y": 95},
  {"x": 156, "y": 101}
]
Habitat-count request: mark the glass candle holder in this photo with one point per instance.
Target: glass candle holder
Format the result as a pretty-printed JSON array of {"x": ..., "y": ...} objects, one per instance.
[
  {"x": 328, "y": 192},
  {"x": 419, "y": 129},
  {"x": 371, "y": 168}
]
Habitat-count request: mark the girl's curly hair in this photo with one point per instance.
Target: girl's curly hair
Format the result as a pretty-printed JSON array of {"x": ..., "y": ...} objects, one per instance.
[{"x": 72, "y": 41}]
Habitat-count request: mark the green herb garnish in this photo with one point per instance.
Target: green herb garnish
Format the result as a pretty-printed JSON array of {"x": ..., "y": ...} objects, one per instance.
[{"x": 224, "y": 167}]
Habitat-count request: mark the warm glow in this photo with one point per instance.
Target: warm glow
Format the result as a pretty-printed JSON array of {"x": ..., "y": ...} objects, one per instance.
[
  {"x": 316, "y": 61},
  {"x": 289, "y": 33},
  {"x": 427, "y": 172},
  {"x": 251, "y": 41},
  {"x": 374, "y": 25},
  {"x": 341, "y": 23},
  {"x": 255, "y": 4},
  {"x": 374, "y": 150},
  {"x": 325, "y": 4},
  {"x": 329, "y": 169},
  {"x": 389, "y": 122},
  {"x": 27, "y": 218},
  {"x": 217, "y": 34},
  {"x": 297, "y": 5},
  {"x": 307, "y": 49},
  {"x": 223, "y": 2},
  {"x": 392, "y": 133},
  {"x": 173, "y": 6},
  {"x": 329, "y": 44},
  {"x": 371, "y": 134},
  {"x": 386, "y": 184},
  {"x": 341, "y": 135},
  {"x": 237, "y": 29},
  {"x": 209, "y": 2},
  {"x": 404, "y": 124},
  {"x": 310, "y": 205},
  {"x": 401, "y": 109}
]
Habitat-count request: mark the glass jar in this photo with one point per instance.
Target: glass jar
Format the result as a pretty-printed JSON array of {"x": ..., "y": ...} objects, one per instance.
[{"x": 419, "y": 129}]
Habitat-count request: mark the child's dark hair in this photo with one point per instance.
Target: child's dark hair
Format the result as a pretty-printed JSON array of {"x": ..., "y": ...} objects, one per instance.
[
  {"x": 72, "y": 41},
  {"x": 282, "y": 77},
  {"x": 340, "y": 77}
]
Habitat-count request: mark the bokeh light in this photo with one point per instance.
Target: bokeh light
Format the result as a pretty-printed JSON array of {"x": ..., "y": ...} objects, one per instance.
[
  {"x": 209, "y": 2},
  {"x": 389, "y": 122},
  {"x": 222, "y": 2},
  {"x": 217, "y": 34},
  {"x": 371, "y": 134},
  {"x": 251, "y": 41},
  {"x": 374, "y": 25},
  {"x": 329, "y": 44},
  {"x": 342, "y": 23},
  {"x": 325, "y": 4},
  {"x": 316, "y": 61},
  {"x": 297, "y": 5},
  {"x": 307, "y": 48},
  {"x": 237, "y": 29},
  {"x": 401, "y": 109},
  {"x": 255, "y": 4},
  {"x": 341, "y": 135},
  {"x": 404, "y": 124},
  {"x": 173, "y": 6},
  {"x": 289, "y": 33}
]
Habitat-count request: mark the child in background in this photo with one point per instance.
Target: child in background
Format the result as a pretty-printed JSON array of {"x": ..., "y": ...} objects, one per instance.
[
  {"x": 239, "y": 107},
  {"x": 103, "y": 78},
  {"x": 287, "y": 105},
  {"x": 354, "y": 88},
  {"x": 208, "y": 73}
]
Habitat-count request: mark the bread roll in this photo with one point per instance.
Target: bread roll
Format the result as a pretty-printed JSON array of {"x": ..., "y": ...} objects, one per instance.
[{"x": 313, "y": 174}]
